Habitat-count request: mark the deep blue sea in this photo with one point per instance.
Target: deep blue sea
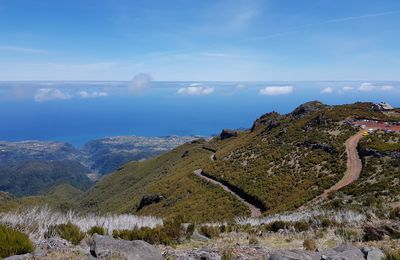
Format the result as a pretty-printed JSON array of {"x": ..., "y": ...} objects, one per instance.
[{"x": 80, "y": 111}]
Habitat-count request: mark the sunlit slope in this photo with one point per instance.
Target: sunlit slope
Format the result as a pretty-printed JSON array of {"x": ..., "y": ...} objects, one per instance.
[
  {"x": 170, "y": 176},
  {"x": 283, "y": 161}
]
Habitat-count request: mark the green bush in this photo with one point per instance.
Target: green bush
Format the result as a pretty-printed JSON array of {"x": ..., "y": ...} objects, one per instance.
[
  {"x": 227, "y": 254},
  {"x": 173, "y": 228},
  {"x": 168, "y": 234},
  {"x": 395, "y": 213},
  {"x": 276, "y": 226},
  {"x": 152, "y": 236},
  {"x": 210, "y": 232},
  {"x": 310, "y": 244},
  {"x": 326, "y": 222},
  {"x": 301, "y": 226},
  {"x": 253, "y": 240},
  {"x": 13, "y": 242},
  {"x": 69, "y": 231},
  {"x": 392, "y": 255},
  {"x": 96, "y": 230},
  {"x": 222, "y": 229}
]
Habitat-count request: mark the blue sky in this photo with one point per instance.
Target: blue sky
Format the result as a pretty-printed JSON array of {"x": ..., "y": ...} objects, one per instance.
[{"x": 200, "y": 40}]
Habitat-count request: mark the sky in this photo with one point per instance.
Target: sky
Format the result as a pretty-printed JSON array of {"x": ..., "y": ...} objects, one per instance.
[{"x": 190, "y": 40}]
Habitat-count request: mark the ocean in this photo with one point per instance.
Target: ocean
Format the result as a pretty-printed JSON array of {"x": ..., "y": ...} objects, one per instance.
[{"x": 77, "y": 112}]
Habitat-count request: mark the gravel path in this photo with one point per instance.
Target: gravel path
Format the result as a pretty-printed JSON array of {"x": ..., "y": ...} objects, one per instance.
[{"x": 354, "y": 165}]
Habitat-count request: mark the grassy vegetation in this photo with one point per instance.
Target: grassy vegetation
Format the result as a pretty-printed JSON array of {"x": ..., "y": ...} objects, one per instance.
[
  {"x": 382, "y": 142},
  {"x": 171, "y": 176},
  {"x": 283, "y": 164},
  {"x": 96, "y": 230},
  {"x": 168, "y": 234},
  {"x": 13, "y": 242},
  {"x": 68, "y": 231}
]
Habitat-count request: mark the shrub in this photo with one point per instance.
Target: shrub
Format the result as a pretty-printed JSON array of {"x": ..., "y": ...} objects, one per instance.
[
  {"x": 190, "y": 230},
  {"x": 168, "y": 234},
  {"x": 227, "y": 255},
  {"x": 96, "y": 230},
  {"x": 310, "y": 244},
  {"x": 350, "y": 235},
  {"x": 210, "y": 232},
  {"x": 326, "y": 222},
  {"x": 276, "y": 226},
  {"x": 69, "y": 231},
  {"x": 13, "y": 242},
  {"x": 392, "y": 255},
  {"x": 153, "y": 236},
  {"x": 395, "y": 213},
  {"x": 253, "y": 240},
  {"x": 173, "y": 228},
  {"x": 222, "y": 229},
  {"x": 301, "y": 226}
]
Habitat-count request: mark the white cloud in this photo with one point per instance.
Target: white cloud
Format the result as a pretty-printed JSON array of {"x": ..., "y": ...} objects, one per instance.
[
  {"x": 196, "y": 90},
  {"x": 276, "y": 90},
  {"x": 347, "y": 88},
  {"x": 8, "y": 48},
  {"x": 327, "y": 90},
  {"x": 140, "y": 83},
  {"x": 46, "y": 94},
  {"x": 95, "y": 94},
  {"x": 241, "y": 86},
  {"x": 387, "y": 87},
  {"x": 370, "y": 87},
  {"x": 366, "y": 87}
]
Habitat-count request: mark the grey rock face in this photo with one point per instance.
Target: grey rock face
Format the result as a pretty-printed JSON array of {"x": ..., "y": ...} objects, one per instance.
[
  {"x": 198, "y": 237},
  {"x": 372, "y": 253},
  {"x": 339, "y": 253},
  {"x": 226, "y": 133},
  {"x": 19, "y": 257},
  {"x": 106, "y": 246},
  {"x": 148, "y": 200}
]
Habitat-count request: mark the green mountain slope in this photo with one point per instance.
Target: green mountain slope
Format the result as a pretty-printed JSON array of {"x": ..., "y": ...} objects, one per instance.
[
  {"x": 170, "y": 176},
  {"x": 36, "y": 177},
  {"x": 282, "y": 162}
]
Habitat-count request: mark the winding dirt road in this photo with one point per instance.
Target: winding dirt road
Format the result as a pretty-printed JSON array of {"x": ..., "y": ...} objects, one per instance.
[
  {"x": 255, "y": 211},
  {"x": 354, "y": 165}
]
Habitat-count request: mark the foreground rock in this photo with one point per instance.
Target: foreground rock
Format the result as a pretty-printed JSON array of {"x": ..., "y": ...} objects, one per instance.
[
  {"x": 106, "y": 247},
  {"x": 261, "y": 252}
]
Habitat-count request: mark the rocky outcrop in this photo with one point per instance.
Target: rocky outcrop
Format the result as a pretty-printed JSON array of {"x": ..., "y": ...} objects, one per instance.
[
  {"x": 270, "y": 120},
  {"x": 341, "y": 252},
  {"x": 374, "y": 232},
  {"x": 326, "y": 148},
  {"x": 20, "y": 257},
  {"x": 261, "y": 252},
  {"x": 148, "y": 200},
  {"x": 307, "y": 108},
  {"x": 227, "y": 133},
  {"x": 110, "y": 248}
]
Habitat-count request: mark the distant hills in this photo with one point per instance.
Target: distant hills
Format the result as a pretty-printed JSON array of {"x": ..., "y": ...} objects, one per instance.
[{"x": 33, "y": 167}]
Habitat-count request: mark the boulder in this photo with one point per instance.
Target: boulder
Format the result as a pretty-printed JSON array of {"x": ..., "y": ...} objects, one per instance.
[
  {"x": 340, "y": 253},
  {"x": 148, "y": 200},
  {"x": 107, "y": 246},
  {"x": 226, "y": 133},
  {"x": 20, "y": 257},
  {"x": 293, "y": 255},
  {"x": 199, "y": 237},
  {"x": 372, "y": 253}
]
